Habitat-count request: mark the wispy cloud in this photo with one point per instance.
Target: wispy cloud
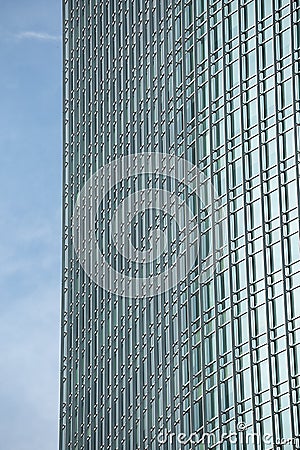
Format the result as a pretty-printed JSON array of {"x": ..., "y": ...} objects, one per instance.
[{"x": 39, "y": 36}]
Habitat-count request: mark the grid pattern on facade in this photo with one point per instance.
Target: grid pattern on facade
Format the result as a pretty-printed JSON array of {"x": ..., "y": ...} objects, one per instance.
[{"x": 216, "y": 83}]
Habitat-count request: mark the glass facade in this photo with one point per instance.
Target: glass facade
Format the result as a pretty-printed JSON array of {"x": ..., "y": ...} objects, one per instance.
[{"x": 211, "y": 363}]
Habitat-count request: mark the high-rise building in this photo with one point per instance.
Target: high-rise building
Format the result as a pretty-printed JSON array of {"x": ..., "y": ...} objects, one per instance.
[{"x": 181, "y": 279}]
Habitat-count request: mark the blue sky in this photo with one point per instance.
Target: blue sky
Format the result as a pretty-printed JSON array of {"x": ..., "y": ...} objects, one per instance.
[{"x": 30, "y": 222}]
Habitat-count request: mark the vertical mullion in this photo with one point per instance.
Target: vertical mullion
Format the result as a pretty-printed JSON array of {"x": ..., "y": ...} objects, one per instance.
[
  {"x": 281, "y": 227},
  {"x": 228, "y": 225},
  {"x": 263, "y": 214}
]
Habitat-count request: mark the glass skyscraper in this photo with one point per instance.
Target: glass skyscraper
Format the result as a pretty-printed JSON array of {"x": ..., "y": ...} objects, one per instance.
[{"x": 191, "y": 339}]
